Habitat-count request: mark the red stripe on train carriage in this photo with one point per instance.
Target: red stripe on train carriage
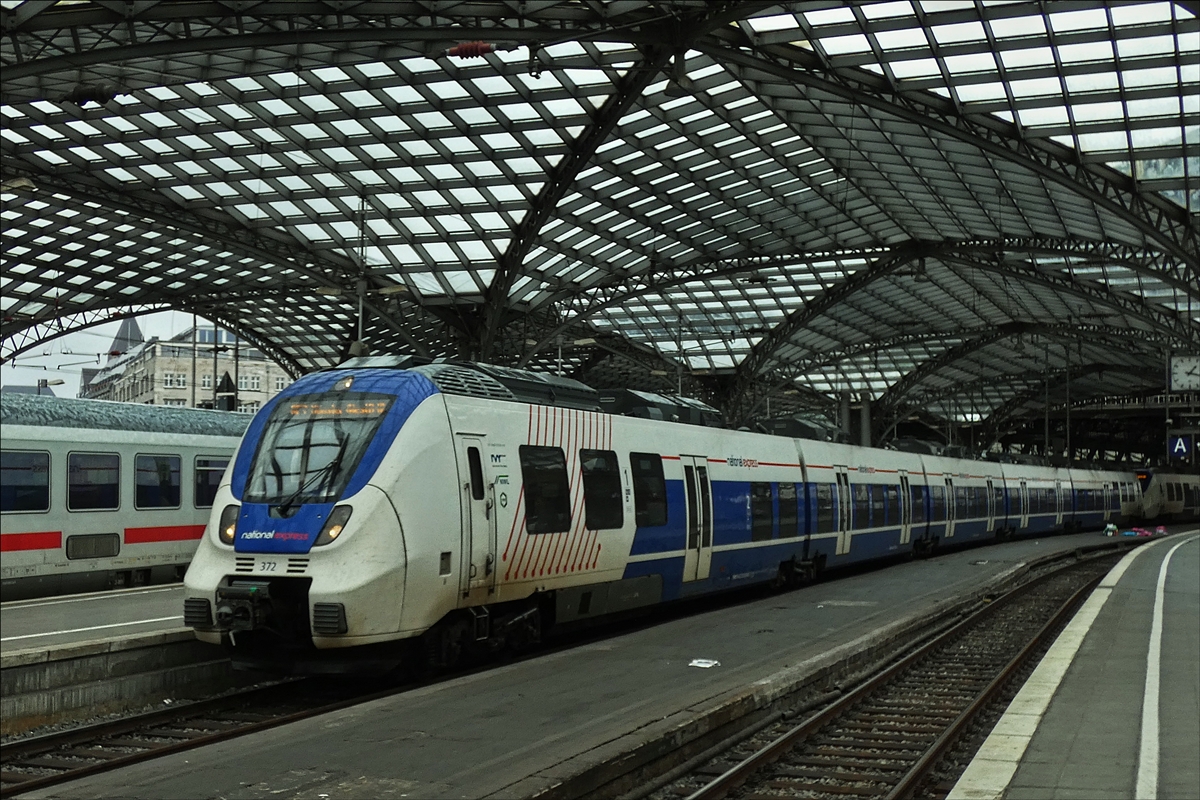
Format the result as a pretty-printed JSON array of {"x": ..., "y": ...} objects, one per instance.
[
  {"x": 164, "y": 533},
  {"x": 44, "y": 540}
]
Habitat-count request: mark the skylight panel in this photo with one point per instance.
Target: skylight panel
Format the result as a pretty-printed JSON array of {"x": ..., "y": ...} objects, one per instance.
[
  {"x": 777, "y": 22},
  {"x": 1104, "y": 140},
  {"x": 829, "y": 16},
  {"x": 1083, "y": 19},
  {"x": 434, "y": 120},
  {"x": 1158, "y": 76},
  {"x": 900, "y": 39},
  {"x": 1034, "y": 117},
  {"x": 1092, "y": 82},
  {"x": 415, "y": 147},
  {"x": 1028, "y": 57},
  {"x": 1154, "y": 45},
  {"x": 1035, "y": 87},
  {"x": 959, "y": 32},
  {"x": 519, "y": 112},
  {"x": 980, "y": 92},
  {"x": 915, "y": 68}
]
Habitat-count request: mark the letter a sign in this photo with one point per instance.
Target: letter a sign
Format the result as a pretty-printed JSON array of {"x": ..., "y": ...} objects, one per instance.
[{"x": 1180, "y": 446}]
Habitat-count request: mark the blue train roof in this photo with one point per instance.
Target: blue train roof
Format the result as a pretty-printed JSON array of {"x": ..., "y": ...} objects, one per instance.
[{"x": 61, "y": 412}]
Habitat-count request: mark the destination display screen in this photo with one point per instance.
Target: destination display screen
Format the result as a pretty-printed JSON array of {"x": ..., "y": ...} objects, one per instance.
[{"x": 339, "y": 407}]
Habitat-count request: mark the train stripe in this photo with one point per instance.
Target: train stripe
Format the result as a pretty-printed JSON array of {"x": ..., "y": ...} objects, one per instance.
[
  {"x": 44, "y": 540},
  {"x": 163, "y": 533}
]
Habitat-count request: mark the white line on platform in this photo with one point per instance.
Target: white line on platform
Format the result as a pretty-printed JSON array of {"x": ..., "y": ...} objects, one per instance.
[
  {"x": 992, "y": 769},
  {"x": 84, "y": 630},
  {"x": 112, "y": 594},
  {"x": 1147, "y": 774}
]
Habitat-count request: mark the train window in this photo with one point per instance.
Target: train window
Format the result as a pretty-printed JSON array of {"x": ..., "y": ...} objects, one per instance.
[
  {"x": 938, "y": 496},
  {"x": 157, "y": 481},
  {"x": 208, "y": 479},
  {"x": 789, "y": 515},
  {"x": 892, "y": 508},
  {"x": 24, "y": 480},
  {"x": 862, "y": 506},
  {"x": 601, "y": 490},
  {"x": 824, "y": 507},
  {"x": 475, "y": 467},
  {"x": 962, "y": 505},
  {"x": 93, "y": 481},
  {"x": 649, "y": 490},
  {"x": 93, "y": 545},
  {"x": 547, "y": 490},
  {"x": 918, "y": 504},
  {"x": 762, "y": 516},
  {"x": 878, "y": 510},
  {"x": 311, "y": 446}
]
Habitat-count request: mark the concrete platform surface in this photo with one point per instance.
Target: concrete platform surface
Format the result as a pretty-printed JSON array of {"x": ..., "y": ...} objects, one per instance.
[
  {"x": 519, "y": 728},
  {"x": 53, "y": 621},
  {"x": 1113, "y": 710}
]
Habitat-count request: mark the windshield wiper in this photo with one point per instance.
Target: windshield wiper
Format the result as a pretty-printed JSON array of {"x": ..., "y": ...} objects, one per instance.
[{"x": 327, "y": 471}]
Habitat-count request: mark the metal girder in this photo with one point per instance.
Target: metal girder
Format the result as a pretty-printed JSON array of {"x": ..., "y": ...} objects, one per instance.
[
  {"x": 902, "y": 388},
  {"x": 1158, "y": 219},
  {"x": 37, "y": 332},
  {"x": 673, "y": 37},
  {"x": 627, "y": 91}
]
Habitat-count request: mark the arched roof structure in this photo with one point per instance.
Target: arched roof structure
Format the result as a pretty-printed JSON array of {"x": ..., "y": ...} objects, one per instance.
[{"x": 938, "y": 204}]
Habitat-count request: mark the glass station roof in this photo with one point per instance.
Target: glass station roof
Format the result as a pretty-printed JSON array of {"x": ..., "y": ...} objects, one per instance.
[{"x": 944, "y": 206}]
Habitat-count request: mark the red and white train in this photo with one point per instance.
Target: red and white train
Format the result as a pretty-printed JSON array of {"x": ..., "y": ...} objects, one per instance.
[{"x": 97, "y": 495}]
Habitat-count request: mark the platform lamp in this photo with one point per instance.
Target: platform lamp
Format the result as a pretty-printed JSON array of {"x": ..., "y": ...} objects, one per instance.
[{"x": 45, "y": 383}]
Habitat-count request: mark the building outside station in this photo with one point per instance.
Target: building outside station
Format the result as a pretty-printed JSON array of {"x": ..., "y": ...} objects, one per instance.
[{"x": 183, "y": 371}]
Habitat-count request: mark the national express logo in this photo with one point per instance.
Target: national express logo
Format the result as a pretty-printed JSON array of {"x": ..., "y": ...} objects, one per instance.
[{"x": 278, "y": 536}]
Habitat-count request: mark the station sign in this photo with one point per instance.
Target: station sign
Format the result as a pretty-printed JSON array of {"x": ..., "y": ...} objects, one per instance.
[{"x": 1179, "y": 445}]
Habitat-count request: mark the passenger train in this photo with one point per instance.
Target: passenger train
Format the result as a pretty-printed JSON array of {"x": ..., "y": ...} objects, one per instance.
[
  {"x": 419, "y": 512},
  {"x": 96, "y": 495}
]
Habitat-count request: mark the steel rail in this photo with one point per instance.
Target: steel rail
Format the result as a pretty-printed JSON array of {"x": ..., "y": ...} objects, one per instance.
[{"x": 742, "y": 771}]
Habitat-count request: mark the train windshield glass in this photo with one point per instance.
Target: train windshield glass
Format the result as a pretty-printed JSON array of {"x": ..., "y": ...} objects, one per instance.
[{"x": 311, "y": 446}]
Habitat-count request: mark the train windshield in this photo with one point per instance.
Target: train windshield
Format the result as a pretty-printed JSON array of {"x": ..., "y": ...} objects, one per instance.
[{"x": 311, "y": 446}]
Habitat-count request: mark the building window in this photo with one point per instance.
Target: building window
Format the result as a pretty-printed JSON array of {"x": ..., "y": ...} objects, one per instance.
[
  {"x": 248, "y": 408},
  {"x": 206, "y": 382},
  {"x": 157, "y": 481},
  {"x": 547, "y": 490},
  {"x": 175, "y": 380},
  {"x": 93, "y": 481},
  {"x": 649, "y": 490},
  {"x": 24, "y": 481},
  {"x": 281, "y": 383},
  {"x": 243, "y": 383},
  {"x": 601, "y": 490},
  {"x": 171, "y": 401},
  {"x": 255, "y": 383}
]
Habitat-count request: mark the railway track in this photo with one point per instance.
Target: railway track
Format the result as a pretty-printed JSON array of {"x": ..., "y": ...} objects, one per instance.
[
  {"x": 55, "y": 758},
  {"x": 909, "y": 730}
]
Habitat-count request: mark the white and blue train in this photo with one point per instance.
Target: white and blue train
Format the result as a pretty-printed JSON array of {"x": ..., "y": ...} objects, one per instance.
[{"x": 427, "y": 511}]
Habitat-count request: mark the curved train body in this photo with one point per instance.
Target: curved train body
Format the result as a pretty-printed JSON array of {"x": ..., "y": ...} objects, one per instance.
[
  {"x": 369, "y": 506},
  {"x": 95, "y": 495}
]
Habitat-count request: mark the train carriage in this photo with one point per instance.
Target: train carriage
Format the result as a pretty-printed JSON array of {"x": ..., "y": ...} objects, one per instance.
[
  {"x": 452, "y": 507},
  {"x": 97, "y": 495}
]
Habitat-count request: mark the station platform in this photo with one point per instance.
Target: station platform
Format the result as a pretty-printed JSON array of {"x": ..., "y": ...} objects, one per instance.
[
  {"x": 1113, "y": 710},
  {"x": 542, "y": 725},
  {"x": 50, "y": 622}
]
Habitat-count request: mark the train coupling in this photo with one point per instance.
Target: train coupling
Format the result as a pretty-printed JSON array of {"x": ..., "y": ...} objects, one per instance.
[{"x": 244, "y": 605}]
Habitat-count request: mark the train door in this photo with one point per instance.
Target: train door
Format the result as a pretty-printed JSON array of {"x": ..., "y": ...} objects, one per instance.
[
  {"x": 1058, "y": 504},
  {"x": 698, "y": 559},
  {"x": 1024, "y": 498},
  {"x": 905, "y": 509},
  {"x": 478, "y": 563},
  {"x": 951, "y": 507},
  {"x": 845, "y": 517},
  {"x": 1108, "y": 497},
  {"x": 991, "y": 506}
]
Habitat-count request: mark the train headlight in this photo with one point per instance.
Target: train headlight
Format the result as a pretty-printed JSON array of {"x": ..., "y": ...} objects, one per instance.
[
  {"x": 228, "y": 525},
  {"x": 334, "y": 525}
]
